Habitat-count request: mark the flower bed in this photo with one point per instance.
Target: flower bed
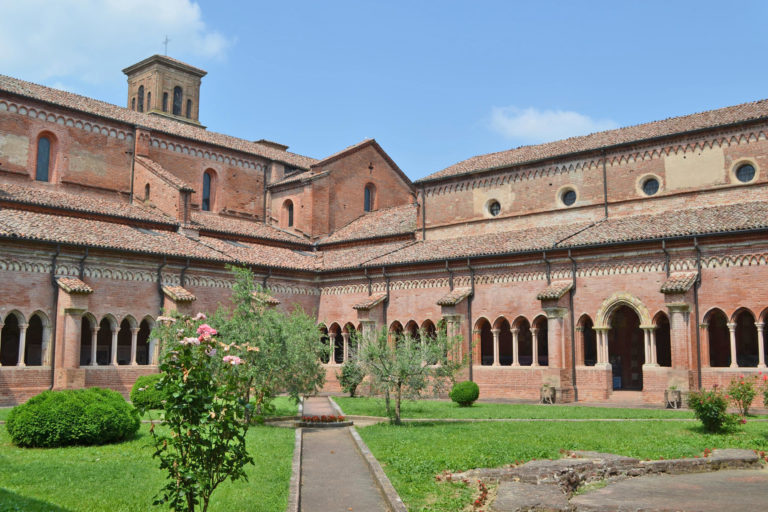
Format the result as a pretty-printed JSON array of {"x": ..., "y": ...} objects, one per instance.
[{"x": 324, "y": 421}]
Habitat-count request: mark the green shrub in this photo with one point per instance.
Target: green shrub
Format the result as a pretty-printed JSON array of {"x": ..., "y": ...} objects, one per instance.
[
  {"x": 72, "y": 417},
  {"x": 741, "y": 392},
  {"x": 465, "y": 393},
  {"x": 352, "y": 374},
  {"x": 710, "y": 408},
  {"x": 145, "y": 393}
]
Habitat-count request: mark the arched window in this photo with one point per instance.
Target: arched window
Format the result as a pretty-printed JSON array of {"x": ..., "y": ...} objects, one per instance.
[
  {"x": 149, "y": 101},
  {"x": 165, "y": 102},
  {"x": 189, "y": 108},
  {"x": 141, "y": 98},
  {"x": 207, "y": 191},
  {"x": 369, "y": 202},
  {"x": 177, "y": 94},
  {"x": 146, "y": 192},
  {"x": 133, "y": 103},
  {"x": 43, "y": 159},
  {"x": 287, "y": 214}
]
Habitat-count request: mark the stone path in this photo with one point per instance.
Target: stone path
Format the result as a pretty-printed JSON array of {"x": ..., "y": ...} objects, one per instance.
[{"x": 334, "y": 475}]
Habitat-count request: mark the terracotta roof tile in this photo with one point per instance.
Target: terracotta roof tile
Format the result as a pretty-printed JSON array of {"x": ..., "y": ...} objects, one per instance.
[
  {"x": 344, "y": 151},
  {"x": 44, "y": 195},
  {"x": 555, "y": 290},
  {"x": 370, "y": 302},
  {"x": 356, "y": 256},
  {"x": 153, "y": 122},
  {"x": 220, "y": 223},
  {"x": 179, "y": 294},
  {"x": 380, "y": 223},
  {"x": 168, "y": 177},
  {"x": 454, "y": 297},
  {"x": 256, "y": 254},
  {"x": 73, "y": 285},
  {"x": 709, "y": 119},
  {"x": 679, "y": 282},
  {"x": 265, "y": 298}
]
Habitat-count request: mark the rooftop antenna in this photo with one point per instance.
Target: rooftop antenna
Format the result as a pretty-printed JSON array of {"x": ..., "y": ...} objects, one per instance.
[{"x": 166, "y": 44}]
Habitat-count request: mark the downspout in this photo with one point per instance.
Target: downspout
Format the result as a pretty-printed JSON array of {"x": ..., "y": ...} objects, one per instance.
[
  {"x": 265, "y": 192},
  {"x": 133, "y": 165},
  {"x": 696, "y": 286},
  {"x": 370, "y": 285},
  {"x": 450, "y": 275},
  {"x": 469, "y": 313},
  {"x": 81, "y": 272},
  {"x": 666, "y": 256},
  {"x": 160, "y": 284},
  {"x": 571, "y": 293},
  {"x": 605, "y": 186},
  {"x": 386, "y": 299},
  {"x": 264, "y": 281},
  {"x": 549, "y": 268},
  {"x": 183, "y": 276},
  {"x": 423, "y": 213},
  {"x": 55, "y": 314}
]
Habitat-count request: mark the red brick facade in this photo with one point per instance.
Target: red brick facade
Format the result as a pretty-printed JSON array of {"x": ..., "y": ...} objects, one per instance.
[{"x": 620, "y": 290}]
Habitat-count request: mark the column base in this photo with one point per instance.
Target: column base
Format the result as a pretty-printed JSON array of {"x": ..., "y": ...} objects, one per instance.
[
  {"x": 603, "y": 365},
  {"x": 650, "y": 365}
]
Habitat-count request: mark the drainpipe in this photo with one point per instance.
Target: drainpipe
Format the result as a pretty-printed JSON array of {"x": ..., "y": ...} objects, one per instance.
[
  {"x": 370, "y": 285},
  {"x": 450, "y": 275},
  {"x": 666, "y": 255},
  {"x": 81, "y": 272},
  {"x": 696, "y": 286},
  {"x": 386, "y": 299},
  {"x": 469, "y": 314},
  {"x": 54, "y": 315},
  {"x": 160, "y": 284},
  {"x": 605, "y": 186},
  {"x": 133, "y": 165},
  {"x": 264, "y": 281},
  {"x": 571, "y": 293},
  {"x": 183, "y": 276},
  {"x": 549, "y": 268},
  {"x": 423, "y": 213},
  {"x": 265, "y": 191}
]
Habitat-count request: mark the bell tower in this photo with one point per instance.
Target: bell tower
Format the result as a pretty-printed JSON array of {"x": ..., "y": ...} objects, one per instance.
[{"x": 167, "y": 87}]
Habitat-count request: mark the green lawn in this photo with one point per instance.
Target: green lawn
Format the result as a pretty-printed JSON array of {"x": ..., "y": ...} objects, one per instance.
[
  {"x": 124, "y": 476},
  {"x": 414, "y": 453},
  {"x": 4, "y": 412},
  {"x": 440, "y": 409}
]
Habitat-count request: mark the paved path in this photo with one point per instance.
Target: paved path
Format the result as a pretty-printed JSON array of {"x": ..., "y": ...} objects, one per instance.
[
  {"x": 334, "y": 476},
  {"x": 732, "y": 490}
]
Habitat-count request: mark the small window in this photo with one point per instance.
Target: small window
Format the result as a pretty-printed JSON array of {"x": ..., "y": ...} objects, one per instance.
[
  {"x": 206, "y": 205},
  {"x": 133, "y": 103},
  {"x": 165, "y": 102},
  {"x": 43, "y": 159},
  {"x": 650, "y": 186},
  {"x": 745, "y": 173},
  {"x": 177, "y": 97},
  {"x": 287, "y": 215},
  {"x": 149, "y": 101},
  {"x": 141, "y": 98},
  {"x": 494, "y": 208},
  {"x": 146, "y": 192},
  {"x": 568, "y": 197},
  {"x": 369, "y": 199},
  {"x": 189, "y": 108}
]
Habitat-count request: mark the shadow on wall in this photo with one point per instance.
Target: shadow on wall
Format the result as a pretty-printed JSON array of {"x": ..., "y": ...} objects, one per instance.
[{"x": 12, "y": 501}]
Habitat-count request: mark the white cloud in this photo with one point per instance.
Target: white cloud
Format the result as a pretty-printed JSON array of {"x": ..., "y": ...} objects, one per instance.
[
  {"x": 531, "y": 125},
  {"x": 89, "y": 41}
]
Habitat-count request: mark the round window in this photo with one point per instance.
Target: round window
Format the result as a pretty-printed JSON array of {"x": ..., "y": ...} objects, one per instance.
[
  {"x": 494, "y": 208},
  {"x": 568, "y": 197},
  {"x": 651, "y": 186},
  {"x": 745, "y": 173}
]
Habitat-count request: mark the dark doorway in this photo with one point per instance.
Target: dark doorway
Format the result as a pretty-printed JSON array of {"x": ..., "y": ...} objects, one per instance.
[{"x": 625, "y": 349}]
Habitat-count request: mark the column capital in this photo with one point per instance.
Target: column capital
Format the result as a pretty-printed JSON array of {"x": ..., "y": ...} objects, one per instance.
[
  {"x": 135, "y": 330},
  {"x": 23, "y": 326},
  {"x": 678, "y": 307},
  {"x": 555, "y": 312},
  {"x": 601, "y": 329},
  {"x": 759, "y": 325},
  {"x": 731, "y": 326},
  {"x": 649, "y": 327},
  {"x": 579, "y": 328},
  {"x": 534, "y": 330},
  {"x": 95, "y": 330},
  {"x": 514, "y": 330},
  {"x": 476, "y": 331},
  {"x": 703, "y": 325},
  {"x": 495, "y": 331}
]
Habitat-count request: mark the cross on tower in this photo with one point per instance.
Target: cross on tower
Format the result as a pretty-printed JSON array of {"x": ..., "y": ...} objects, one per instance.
[{"x": 166, "y": 45}]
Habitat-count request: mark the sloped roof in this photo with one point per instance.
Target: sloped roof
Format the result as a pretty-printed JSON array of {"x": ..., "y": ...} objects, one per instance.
[
  {"x": 370, "y": 302},
  {"x": 679, "y": 282},
  {"x": 179, "y": 294},
  {"x": 226, "y": 224},
  {"x": 73, "y": 285},
  {"x": 555, "y": 290},
  {"x": 674, "y": 125},
  {"x": 152, "y": 122},
  {"x": 454, "y": 297},
  {"x": 165, "y": 175},
  {"x": 380, "y": 223},
  {"x": 45, "y": 196}
]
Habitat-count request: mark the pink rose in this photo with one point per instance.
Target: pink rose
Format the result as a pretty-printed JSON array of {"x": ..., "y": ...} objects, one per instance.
[
  {"x": 233, "y": 360},
  {"x": 190, "y": 341}
]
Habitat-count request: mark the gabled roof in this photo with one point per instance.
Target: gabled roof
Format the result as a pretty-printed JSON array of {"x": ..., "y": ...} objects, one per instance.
[
  {"x": 179, "y": 294},
  {"x": 370, "y": 302},
  {"x": 149, "y": 121},
  {"x": 756, "y": 110},
  {"x": 73, "y": 285},
  {"x": 679, "y": 282},
  {"x": 454, "y": 297},
  {"x": 555, "y": 290},
  {"x": 227, "y": 224}
]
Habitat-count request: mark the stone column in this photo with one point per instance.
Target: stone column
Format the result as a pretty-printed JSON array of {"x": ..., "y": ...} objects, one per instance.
[
  {"x": 477, "y": 346},
  {"x": 558, "y": 356},
  {"x": 646, "y": 345},
  {"x": 46, "y": 348},
  {"x": 332, "y": 347},
  {"x": 153, "y": 346},
  {"x": 495, "y": 333},
  {"x": 94, "y": 344},
  {"x": 580, "y": 346},
  {"x": 650, "y": 345},
  {"x": 704, "y": 345},
  {"x": 732, "y": 331},
  {"x": 534, "y": 346},
  {"x": 515, "y": 346},
  {"x": 22, "y": 344},
  {"x": 760, "y": 345},
  {"x": 345, "y": 336},
  {"x": 654, "y": 353},
  {"x": 114, "y": 346},
  {"x": 134, "y": 334},
  {"x": 602, "y": 346}
]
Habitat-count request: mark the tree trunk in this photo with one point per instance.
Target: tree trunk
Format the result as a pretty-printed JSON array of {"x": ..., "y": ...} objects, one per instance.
[
  {"x": 386, "y": 401},
  {"x": 398, "y": 396}
]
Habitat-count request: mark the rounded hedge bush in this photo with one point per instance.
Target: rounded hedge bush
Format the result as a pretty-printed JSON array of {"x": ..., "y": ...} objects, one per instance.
[
  {"x": 145, "y": 393},
  {"x": 465, "y": 393},
  {"x": 72, "y": 417}
]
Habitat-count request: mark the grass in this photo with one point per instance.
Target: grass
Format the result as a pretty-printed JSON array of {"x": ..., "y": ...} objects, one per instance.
[
  {"x": 124, "y": 477},
  {"x": 414, "y": 453},
  {"x": 441, "y": 409}
]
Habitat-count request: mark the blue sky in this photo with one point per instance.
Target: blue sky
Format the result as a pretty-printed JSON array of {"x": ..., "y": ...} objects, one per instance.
[{"x": 434, "y": 82}]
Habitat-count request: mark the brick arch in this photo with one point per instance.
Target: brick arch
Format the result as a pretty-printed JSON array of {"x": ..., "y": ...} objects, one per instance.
[
  {"x": 741, "y": 310},
  {"x": 520, "y": 321},
  {"x": 499, "y": 322},
  {"x": 763, "y": 316},
  {"x": 615, "y": 301}
]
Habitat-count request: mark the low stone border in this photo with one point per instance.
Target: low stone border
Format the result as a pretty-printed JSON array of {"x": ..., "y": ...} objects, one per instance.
[
  {"x": 320, "y": 424},
  {"x": 390, "y": 494},
  {"x": 294, "y": 488},
  {"x": 336, "y": 407}
]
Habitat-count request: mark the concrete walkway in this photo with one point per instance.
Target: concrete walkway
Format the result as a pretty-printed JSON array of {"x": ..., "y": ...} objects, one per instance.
[{"x": 334, "y": 475}]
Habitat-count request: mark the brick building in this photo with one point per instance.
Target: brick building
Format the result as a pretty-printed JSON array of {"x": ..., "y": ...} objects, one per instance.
[{"x": 631, "y": 259}]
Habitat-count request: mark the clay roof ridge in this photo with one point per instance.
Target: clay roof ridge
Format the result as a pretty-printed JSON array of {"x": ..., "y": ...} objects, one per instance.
[
  {"x": 363, "y": 263},
  {"x": 342, "y": 152},
  {"x": 164, "y": 174}
]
